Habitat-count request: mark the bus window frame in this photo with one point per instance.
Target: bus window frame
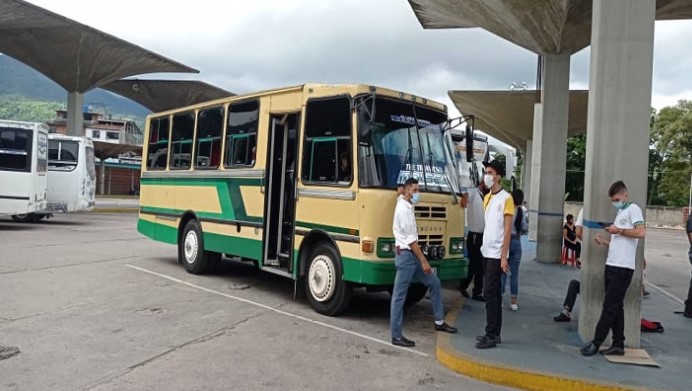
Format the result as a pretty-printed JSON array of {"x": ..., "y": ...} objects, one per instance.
[
  {"x": 305, "y": 140},
  {"x": 168, "y": 143},
  {"x": 197, "y": 141},
  {"x": 191, "y": 141},
  {"x": 228, "y": 136},
  {"x": 29, "y": 154}
]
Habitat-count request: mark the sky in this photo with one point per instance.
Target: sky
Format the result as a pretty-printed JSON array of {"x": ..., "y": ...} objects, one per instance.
[{"x": 245, "y": 46}]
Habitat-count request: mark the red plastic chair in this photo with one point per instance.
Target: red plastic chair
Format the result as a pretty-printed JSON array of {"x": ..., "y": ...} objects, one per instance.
[{"x": 569, "y": 255}]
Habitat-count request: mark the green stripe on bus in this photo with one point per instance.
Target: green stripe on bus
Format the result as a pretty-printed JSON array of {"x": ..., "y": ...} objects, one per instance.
[
  {"x": 160, "y": 232},
  {"x": 240, "y": 247},
  {"x": 328, "y": 228}
]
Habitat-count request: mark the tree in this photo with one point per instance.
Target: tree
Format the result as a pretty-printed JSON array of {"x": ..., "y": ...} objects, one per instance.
[
  {"x": 576, "y": 163},
  {"x": 672, "y": 139}
]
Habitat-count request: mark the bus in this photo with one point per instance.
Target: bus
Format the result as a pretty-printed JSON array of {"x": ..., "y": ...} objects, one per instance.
[
  {"x": 302, "y": 182},
  {"x": 469, "y": 173},
  {"x": 23, "y": 161}
]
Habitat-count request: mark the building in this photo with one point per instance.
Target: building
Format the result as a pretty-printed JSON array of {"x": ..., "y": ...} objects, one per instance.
[{"x": 102, "y": 128}]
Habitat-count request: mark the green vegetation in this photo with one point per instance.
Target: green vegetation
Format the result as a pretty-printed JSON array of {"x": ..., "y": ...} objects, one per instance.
[{"x": 22, "y": 109}]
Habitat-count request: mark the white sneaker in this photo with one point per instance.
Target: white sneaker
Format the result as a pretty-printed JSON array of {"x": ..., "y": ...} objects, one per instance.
[{"x": 515, "y": 307}]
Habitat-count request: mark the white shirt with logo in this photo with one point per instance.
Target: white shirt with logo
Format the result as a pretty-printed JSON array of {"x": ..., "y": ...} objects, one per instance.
[
  {"x": 404, "y": 225},
  {"x": 497, "y": 206},
  {"x": 622, "y": 251}
]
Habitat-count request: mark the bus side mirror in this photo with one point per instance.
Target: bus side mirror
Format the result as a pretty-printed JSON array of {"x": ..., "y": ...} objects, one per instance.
[{"x": 469, "y": 143}]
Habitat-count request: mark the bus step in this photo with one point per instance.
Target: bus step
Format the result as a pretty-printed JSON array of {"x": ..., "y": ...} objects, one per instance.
[
  {"x": 285, "y": 255},
  {"x": 271, "y": 262}
]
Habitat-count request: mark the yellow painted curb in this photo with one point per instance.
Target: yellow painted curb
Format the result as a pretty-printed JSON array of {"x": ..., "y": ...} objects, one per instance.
[
  {"x": 115, "y": 210},
  {"x": 521, "y": 378}
]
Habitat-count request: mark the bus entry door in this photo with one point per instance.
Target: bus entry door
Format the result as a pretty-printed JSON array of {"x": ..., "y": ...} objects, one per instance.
[{"x": 280, "y": 194}]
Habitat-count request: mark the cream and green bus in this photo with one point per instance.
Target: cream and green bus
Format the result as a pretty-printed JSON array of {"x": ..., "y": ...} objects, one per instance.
[{"x": 302, "y": 182}]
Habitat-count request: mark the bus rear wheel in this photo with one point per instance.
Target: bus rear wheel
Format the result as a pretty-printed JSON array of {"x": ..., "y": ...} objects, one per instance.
[
  {"x": 23, "y": 218},
  {"x": 327, "y": 292},
  {"x": 191, "y": 251}
]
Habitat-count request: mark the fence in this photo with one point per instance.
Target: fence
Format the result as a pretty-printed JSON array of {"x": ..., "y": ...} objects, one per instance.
[{"x": 656, "y": 216}]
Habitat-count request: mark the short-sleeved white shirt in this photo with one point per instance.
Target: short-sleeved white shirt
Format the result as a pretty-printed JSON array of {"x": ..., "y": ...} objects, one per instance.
[
  {"x": 404, "y": 225},
  {"x": 622, "y": 251},
  {"x": 475, "y": 215},
  {"x": 497, "y": 206}
]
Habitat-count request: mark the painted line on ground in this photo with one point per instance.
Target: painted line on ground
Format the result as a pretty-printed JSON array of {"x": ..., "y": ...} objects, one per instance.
[
  {"x": 501, "y": 374},
  {"x": 658, "y": 288},
  {"x": 278, "y": 311}
]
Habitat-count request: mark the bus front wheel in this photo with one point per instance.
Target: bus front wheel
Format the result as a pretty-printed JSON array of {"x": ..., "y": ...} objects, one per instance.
[
  {"x": 191, "y": 251},
  {"x": 327, "y": 292},
  {"x": 23, "y": 218}
]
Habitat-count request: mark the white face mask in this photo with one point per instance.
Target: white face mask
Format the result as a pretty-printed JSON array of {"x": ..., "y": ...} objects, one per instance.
[{"x": 488, "y": 181}]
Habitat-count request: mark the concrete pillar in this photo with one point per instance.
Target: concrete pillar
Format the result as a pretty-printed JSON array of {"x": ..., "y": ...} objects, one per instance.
[
  {"x": 535, "y": 177},
  {"x": 551, "y": 160},
  {"x": 622, "y": 42},
  {"x": 526, "y": 170},
  {"x": 102, "y": 181},
  {"x": 75, "y": 116}
]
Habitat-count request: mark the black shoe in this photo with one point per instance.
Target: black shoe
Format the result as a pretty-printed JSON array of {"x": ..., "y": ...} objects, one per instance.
[
  {"x": 562, "y": 318},
  {"x": 613, "y": 351},
  {"x": 478, "y": 298},
  {"x": 486, "y": 343},
  {"x": 403, "y": 342},
  {"x": 589, "y": 350},
  {"x": 497, "y": 339},
  {"x": 687, "y": 314},
  {"x": 645, "y": 293},
  {"x": 464, "y": 293},
  {"x": 445, "y": 327}
]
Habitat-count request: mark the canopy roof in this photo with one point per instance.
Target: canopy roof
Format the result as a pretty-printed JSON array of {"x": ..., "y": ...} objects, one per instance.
[
  {"x": 104, "y": 150},
  {"x": 508, "y": 115},
  {"x": 541, "y": 26},
  {"x": 162, "y": 95},
  {"x": 77, "y": 57}
]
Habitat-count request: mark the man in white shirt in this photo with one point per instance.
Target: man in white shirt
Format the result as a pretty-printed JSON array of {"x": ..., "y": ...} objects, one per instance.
[
  {"x": 410, "y": 262},
  {"x": 499, "y": 213},
  {"x": 475, "y": 216},
  {"x": 625, "y": 232}
]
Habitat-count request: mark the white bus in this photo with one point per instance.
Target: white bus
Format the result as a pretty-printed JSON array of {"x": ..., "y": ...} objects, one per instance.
[
  {"x": 71, "y": 174},
  {"x": 470, "y": 173},
  {"x": 23, "y": 161}
]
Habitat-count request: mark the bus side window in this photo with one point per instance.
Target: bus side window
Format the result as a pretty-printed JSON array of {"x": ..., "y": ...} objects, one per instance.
[
  {"x": 241, "y": 134},
  {"x": 209, "y": 128},
  {"x": 181, "y": 141},
  {"x": 15, "y": 148},
  {"x": 327, "y": 153},
  {"x": 158, "y": 143}
]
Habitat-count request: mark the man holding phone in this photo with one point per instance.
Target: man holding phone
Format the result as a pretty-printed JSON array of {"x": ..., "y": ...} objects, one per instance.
[
  {"x": 625, "y": 233},
  {"x": 410, "y": 262}
]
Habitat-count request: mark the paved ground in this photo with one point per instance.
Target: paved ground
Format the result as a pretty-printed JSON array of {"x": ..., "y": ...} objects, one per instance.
[
  {"x": 92, "y": 305},
  {"x": 533, "y": 342}
]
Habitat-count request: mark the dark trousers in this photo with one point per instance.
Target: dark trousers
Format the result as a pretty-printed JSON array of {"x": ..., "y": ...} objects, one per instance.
[
  {"x": 617, "y": 280},
  {"x": 474, "y": 241},
  {"x": 572, "y": 292},
  {"x": 688, "y": 302},
  {"x": 576, "y": 247},
  {"x": 493, "y": 297}
]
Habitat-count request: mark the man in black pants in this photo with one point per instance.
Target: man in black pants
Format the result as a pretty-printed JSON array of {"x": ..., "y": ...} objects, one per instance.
[
  {"x": 625, "y": 232},
  {"x": 688, "y": 302},
  {"x": 499, "y": 213},
  {"x": 570, "y": 299},
  {"x": 473, "y": 202}
]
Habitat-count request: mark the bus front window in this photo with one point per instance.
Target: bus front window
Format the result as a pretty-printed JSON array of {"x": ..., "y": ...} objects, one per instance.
[{"x": 404, "y": 140}]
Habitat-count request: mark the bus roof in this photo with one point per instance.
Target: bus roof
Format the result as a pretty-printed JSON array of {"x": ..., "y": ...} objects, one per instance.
[
  {"x": 23, "y": 124},
  {"x": 354, "y": 89}
]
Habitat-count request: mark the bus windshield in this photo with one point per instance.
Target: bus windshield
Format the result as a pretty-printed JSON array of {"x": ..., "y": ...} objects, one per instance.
[
  {"x": 404, "y": 140},
  {"x": 63, "y": 155}
]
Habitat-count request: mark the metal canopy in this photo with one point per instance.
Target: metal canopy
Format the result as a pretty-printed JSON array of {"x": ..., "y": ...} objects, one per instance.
[
  {"x": 541, "y": 26},
  {"x": 162, "y": 95},
  {"x": 508, "y": 115},
  {"x": 77, "y": 57}
]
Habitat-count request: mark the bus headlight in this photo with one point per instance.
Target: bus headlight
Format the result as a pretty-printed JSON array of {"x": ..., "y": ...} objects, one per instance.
[
  {"x": 441, "y": 252},
  {"x": 426, "y": 250},
  {"x": 456, "y": 245},
  {"x": 434, "y": 252}
]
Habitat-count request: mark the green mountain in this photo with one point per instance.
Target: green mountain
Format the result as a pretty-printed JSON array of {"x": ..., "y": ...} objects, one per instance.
[{"x": 26, "y": 94}]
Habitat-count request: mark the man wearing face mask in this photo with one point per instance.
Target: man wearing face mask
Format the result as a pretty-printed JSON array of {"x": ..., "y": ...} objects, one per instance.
[
  {"x": 625, "y": 233},
  {"x": 499, "y": 213},
  {"x": 410, "y": 262}
]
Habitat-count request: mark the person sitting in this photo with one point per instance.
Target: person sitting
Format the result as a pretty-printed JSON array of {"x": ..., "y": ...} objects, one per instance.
[{"x": 570, "y": 240}]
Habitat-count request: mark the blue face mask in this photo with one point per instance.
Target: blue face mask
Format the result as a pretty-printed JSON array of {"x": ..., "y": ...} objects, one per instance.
[
  {"x": 619, "y": 205},
  {"x": 415, "y": 198}
]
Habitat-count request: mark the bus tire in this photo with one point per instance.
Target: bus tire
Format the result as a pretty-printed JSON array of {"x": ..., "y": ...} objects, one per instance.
[
  {"x": 327, "y": 292},
  {"x": 415, "y": 293},
  {"x": 23, "y": 218},
  {"x": 191, "y": 249}
]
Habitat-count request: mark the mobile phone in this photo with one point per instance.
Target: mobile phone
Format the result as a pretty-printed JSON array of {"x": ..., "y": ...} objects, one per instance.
[{"x": 604, "y": 225}]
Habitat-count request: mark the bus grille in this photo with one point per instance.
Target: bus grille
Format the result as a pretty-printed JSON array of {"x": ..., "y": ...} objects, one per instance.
[
  {"x": 431, "y": 212},
  {"x": 430, "y": 240}
]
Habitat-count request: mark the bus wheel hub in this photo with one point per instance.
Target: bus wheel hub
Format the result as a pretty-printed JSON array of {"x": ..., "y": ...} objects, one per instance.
[
  {"x": 321, "y": 278},
  {"x": 191, "y": 246}
]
